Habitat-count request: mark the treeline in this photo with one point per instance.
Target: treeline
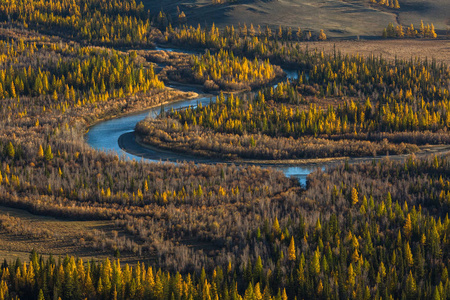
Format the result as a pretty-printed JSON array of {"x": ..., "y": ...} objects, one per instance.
[
  {"x": 223, "y": 1},
  {"x": 231, "y": 38},
  {"x": 387, "y": 3},
  {"x": 398, "y": 31},
  {"x": 125, "y": 23},
  {"x": 70, "y": 278}
]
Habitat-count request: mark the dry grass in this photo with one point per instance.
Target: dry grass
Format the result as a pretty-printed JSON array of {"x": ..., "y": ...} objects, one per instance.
[
  {"x": 389, "y": 49},
  {"x": 430, "y": 11},
  {"x": 66, "y": 237},
  {"x": 339, "y": 18}
]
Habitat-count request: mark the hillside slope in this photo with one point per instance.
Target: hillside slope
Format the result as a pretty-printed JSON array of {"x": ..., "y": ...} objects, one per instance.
[{"x": 339, "y": 18}]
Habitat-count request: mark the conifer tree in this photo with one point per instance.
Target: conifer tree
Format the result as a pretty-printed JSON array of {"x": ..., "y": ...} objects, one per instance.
[
  {"x": 41, "y": 295},
  {"x": 354, "y": 196},
  {"x": 422, "y": 29},
  {"x": 10, "y": 150},
  {"x": 40, "y": 152},
  {"x": 276, "y": 227},
  {"x": 257, "y": 292},
  {"x": 315, "y": 262},
  {"x": 433, "y": 34},
  {"x": 407, "y": 228},
  {"x": 322, "y": 35},
  {"x": 411, "y": 287},
  {"x": 299, "y": 34},
  {"x": 291, "y": 251},
  {"x": 408, "y": 255},
  {"x": 48, "y": 153},
  {"x": 284, "y": 295},
  {"x": 13, "y": 90}
]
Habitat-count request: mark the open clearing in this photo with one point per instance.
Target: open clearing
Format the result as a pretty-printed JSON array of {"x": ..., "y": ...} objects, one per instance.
[
  {"x": 339, "y": 18},
  {"x": 389, "y": 49},
  {"x": 65, "y": 237}
]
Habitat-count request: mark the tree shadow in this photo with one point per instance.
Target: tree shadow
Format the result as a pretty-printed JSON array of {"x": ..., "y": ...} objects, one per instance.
[{"x": 421, "y": 7}]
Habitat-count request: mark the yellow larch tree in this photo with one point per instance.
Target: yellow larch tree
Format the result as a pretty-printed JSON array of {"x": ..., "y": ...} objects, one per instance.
[{"x": 291, "y": 253}]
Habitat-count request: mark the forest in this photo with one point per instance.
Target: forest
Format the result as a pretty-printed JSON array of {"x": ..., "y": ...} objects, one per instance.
[
  {"x": 345, "y": 236},
  {"x": 213, "y": 72},
  {"x": 342, "y": 106},
  {"x": 97, "y": 22},
  {"x": 374, "y": 230}
]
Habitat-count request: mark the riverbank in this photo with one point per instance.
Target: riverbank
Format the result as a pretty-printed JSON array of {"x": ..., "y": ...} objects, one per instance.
[
  {"x": 221, "y": 71},
  {"x": 178, "y": 97},
  {"x": 154, "y": 152},
  {"x": 132, "y": 143}
]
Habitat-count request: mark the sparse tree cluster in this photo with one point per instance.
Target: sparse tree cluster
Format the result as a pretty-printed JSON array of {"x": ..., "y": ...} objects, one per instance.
[
  {"x": 241, "y": 37},
  {"x": 387, "y": 3},
  {"x": 398, "y": 31}
]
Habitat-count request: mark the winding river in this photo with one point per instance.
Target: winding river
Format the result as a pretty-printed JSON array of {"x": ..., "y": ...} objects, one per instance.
[
  {"x": 109, "y": 135},
  {"x": 118, "y": 134}
]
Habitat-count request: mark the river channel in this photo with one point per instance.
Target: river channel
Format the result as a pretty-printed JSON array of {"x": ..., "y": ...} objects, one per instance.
[{"x": 109, "y": 135}]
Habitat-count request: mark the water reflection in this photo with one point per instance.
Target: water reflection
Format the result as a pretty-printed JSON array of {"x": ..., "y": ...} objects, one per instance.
[{"x": 105, "y": 135}]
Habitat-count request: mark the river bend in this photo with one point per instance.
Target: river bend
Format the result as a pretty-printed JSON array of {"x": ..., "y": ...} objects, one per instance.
[{"x": 108, "y": 135}]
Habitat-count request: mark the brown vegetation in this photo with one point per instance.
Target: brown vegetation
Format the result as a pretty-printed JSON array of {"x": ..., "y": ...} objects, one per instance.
[
  {"x": 169, "y": 134},
  {"x": 46, "y": 168},
  {"x": 374, "y": 230}
]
